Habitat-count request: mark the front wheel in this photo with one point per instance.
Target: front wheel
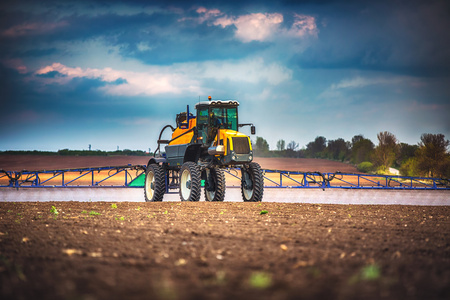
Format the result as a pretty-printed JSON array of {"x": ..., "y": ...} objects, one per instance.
[
  {"x": 214, "y": 185},
  {"x": 190, "y": 182},
  {"x": 154, "y": 186},
  {"x": 252, "y": 183}
]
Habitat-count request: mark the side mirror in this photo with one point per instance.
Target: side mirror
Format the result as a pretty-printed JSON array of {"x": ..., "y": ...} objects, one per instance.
[{"x": 253, "y": 129}]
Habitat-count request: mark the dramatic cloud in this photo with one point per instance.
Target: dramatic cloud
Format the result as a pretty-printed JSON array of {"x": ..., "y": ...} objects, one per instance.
[
  {"x": 16, "y": 64},
  {"x": 175, "y": 79},
  {"x": 304, "y": 25},
  {"x": 259, "y": 26},
  {"x": 360, "y": 82},
  {"x": 157, "y": 80},
  {"x": 253, "y": 27},
  {"x": 32, "y": 29},
  {"x": 76, "y": 71}
]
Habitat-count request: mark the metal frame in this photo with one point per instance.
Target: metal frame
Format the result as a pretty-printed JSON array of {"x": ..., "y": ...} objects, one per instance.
[
  {"x": 33, "y": 179},
  {"x": 353, "y": 181},
  {"x": 273, "y": 179}
]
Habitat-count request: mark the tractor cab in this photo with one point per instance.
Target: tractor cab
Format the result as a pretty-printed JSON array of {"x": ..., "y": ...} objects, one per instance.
[
  {"x": 217, "y": 124},
  {"x": 214, "y": 116}
]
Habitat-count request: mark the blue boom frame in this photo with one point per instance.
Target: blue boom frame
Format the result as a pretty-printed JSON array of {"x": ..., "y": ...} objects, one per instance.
[{"x": 133, "y": 175}]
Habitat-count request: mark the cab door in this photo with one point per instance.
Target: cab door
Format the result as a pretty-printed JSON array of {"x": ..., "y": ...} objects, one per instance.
[{"x": 202, "y": 124}]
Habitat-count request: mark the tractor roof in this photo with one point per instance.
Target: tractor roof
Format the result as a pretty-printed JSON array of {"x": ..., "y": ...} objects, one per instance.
[{"x": 218, "y": 103}]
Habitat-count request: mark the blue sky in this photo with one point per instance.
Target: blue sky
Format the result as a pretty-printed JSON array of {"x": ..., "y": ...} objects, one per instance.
[{"x": 113, "y": 73}]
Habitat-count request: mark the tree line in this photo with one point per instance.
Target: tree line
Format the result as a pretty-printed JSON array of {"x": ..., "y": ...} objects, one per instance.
[{"x": 430, "y": 157}]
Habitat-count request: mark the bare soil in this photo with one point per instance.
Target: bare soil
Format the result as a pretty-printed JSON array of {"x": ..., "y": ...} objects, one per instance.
[
  {"x": 226, "y": 250},
  {"x": 179, "y": 250}
]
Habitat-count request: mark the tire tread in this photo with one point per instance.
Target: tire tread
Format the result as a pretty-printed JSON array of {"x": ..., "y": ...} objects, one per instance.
[
  {"x": 258, "y": 183},
  {"x": 160, "y": 184}
]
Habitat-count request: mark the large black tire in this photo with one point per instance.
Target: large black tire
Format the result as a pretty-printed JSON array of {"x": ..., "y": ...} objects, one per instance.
[
  {"x": 214, "y": 185},
  {"x": 155, "y": 183},
  {"x": 190, "y": 182},
  {"x": 252, "y": 183}
]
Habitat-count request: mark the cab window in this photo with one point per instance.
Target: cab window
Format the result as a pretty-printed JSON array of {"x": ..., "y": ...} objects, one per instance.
[
  {"x": 202, "y": 122},
  {"x": 225, "y": 118}
]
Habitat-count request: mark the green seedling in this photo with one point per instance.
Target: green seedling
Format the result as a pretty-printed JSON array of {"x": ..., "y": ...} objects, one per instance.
[
  {"x": 260, "y": 280},
  {"x": 54, "y": 211},
  {"x": 263, "y": 212},
  {"x": 367, "y": 273},
  {"x": 221, "y": 276},
  {"x": 91, "y": 213},
  {"x": 371, "y": 272},
  {"x": 114, "y": 205}
]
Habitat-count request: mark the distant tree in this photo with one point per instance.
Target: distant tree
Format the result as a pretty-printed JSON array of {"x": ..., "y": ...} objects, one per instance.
[
  {"x": 261, "y": 146},
  {"x": 291, "y": 150},
  {"x": 338, "y": 149},
  {"x": 361, "y": 149},
  {"x": 444, "y": 168},
  {"x": 386, "y": 151},
  {"x": 432, "y": 155},
  {"x": 405, "y": 152},
  {"x": 357, "y": 138},
  {"x": 365, "y": 166},
  {"x": 281, "y": 145},
  {"x": 292, "y": 146},
  {"x": 301, "y": 153},
  {"x": 409, "y": 167},
  {"x": 316, "y": 148}
]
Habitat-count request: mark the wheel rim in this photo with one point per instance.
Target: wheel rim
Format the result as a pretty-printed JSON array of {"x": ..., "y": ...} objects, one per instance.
[
  {"x": 184, "y": 184},
  {"x": 150, "y": 185},
  {"x": 248, "y": 193},
  {"x": 210, "y": 195}
]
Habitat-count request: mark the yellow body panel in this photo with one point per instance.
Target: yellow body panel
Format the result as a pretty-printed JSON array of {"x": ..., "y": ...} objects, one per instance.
[
  {"x": 226, "y": 135},
  {"x": 179, "y": 139}
]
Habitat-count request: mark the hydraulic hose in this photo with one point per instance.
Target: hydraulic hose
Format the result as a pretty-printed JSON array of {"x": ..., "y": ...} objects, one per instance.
[{"x": 159, "y": 138}]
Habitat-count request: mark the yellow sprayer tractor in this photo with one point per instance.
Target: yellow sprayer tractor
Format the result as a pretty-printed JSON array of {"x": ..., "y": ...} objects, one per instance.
[{"x": 200, "y": 147}]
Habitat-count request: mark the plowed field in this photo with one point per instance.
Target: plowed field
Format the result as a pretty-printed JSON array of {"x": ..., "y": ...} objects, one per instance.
[
  {"x": 230, "y": 250},
  {"x": 81, "y": 250}
]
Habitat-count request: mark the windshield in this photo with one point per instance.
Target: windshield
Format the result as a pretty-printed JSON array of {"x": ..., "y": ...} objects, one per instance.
[{"x": 224, "y": 118}]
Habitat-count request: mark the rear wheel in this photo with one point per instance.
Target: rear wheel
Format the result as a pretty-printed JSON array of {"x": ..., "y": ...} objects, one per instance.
[
  {"x": 252, "y": 183},
  {"x": 214, "y": 185},
  {"x": 190, "y": 182},
  {"x": 154, "y": 186}
]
